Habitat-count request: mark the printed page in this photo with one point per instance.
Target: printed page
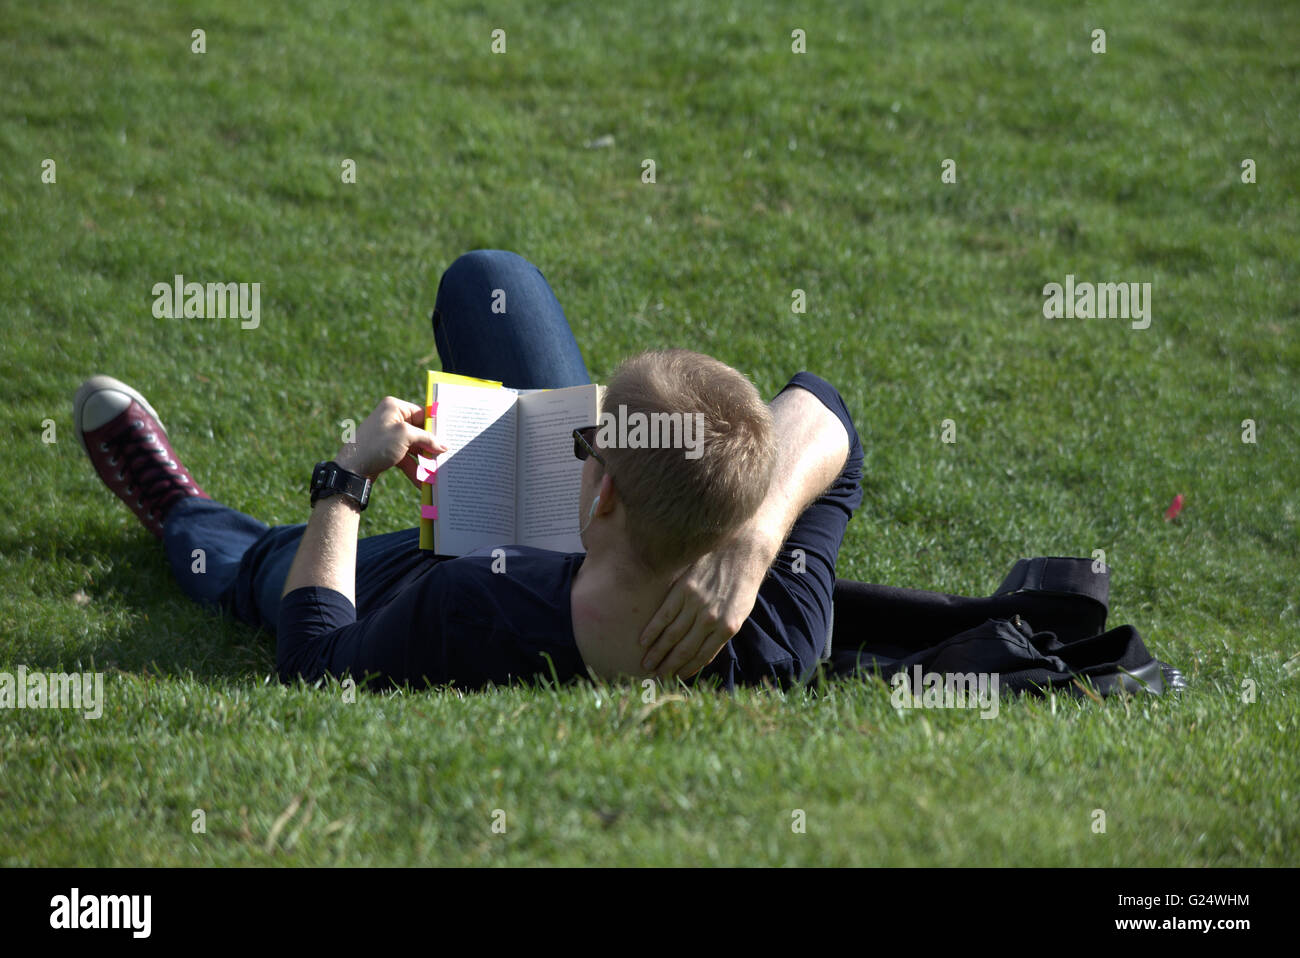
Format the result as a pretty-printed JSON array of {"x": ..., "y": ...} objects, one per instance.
[
  {"x": 549, "y": 475},
  {"x": 475, "y": 487}
]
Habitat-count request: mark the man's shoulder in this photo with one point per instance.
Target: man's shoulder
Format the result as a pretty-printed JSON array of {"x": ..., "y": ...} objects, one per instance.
[
  {"x": 497, "y": 618},
  {"x": 510, "y": 561},
  {"x": 515, "y": 579}
]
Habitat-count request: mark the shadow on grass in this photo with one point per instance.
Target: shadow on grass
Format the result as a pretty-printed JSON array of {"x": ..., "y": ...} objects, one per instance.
[{"x": 131, "y": 615}]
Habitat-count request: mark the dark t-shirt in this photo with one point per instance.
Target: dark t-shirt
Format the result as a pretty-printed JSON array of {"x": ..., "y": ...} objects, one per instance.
[{"x": 498, "y": 618}]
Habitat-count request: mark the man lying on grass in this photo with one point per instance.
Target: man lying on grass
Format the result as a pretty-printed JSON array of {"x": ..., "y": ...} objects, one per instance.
[{"x": 720, "y": 566}]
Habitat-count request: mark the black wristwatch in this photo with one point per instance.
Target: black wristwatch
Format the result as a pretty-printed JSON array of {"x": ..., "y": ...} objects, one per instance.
[{"x": 330, "y": 478}]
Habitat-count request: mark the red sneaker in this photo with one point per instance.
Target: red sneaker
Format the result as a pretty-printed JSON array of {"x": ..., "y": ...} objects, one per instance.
[{"x": 128, "y": 446}]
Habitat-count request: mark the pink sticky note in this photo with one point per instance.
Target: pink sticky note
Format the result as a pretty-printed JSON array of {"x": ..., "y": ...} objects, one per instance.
[
  {"x": 426, "y": 469},
  {"x": 428, "y": 512}
]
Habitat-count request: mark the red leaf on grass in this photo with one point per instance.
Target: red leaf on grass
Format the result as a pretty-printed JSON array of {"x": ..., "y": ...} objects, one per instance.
[{"x": 1175, "y": 507}]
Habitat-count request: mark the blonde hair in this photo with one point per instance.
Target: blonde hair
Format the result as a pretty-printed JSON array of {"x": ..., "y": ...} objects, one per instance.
[{"x": 679, "y": 507}]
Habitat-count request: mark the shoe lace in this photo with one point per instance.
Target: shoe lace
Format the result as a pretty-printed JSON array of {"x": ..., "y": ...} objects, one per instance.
[{"x": 134, "y": 450}]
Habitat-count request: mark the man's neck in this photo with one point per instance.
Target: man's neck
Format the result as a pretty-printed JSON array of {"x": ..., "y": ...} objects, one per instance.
[{"x": 612, "y": 599}]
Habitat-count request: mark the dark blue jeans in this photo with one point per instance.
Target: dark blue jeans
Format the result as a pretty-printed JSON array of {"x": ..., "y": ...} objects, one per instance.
[{"x": 529, "y": 345}]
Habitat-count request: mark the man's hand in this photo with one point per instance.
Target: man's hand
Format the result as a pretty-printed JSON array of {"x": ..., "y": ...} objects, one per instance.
[
  {"x": 390, "y": 437},
  {"x": 706, "y": 606}
]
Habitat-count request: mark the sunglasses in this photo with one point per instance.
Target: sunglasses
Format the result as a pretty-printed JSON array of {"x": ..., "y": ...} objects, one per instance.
[{"x": 582, "y": 447}]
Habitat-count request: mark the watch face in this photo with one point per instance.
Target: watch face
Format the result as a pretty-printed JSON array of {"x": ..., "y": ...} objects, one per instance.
[
  {"x": 329, "y": 478},
  {"x": 319, "y": 478}
]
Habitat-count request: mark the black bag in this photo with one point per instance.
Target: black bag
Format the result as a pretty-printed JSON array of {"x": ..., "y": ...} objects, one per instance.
[{"x": 882, "y": 630}]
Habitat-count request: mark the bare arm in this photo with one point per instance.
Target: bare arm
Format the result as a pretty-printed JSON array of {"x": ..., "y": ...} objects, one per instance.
[
  {"x": 327, "y": 552},
  {"x": 709, "y": 604},
  {"x": 812, "y": 446}
]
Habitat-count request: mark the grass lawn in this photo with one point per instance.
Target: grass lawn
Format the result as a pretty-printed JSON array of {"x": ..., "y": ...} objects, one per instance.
[{"x": 774, "y": 171}]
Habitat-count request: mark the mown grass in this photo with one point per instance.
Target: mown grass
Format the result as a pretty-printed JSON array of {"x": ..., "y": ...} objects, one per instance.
[{"x": 775, "y": 171}]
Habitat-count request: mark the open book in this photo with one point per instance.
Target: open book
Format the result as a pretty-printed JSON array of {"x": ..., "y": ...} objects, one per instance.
[{"x": 509, "y": 476}]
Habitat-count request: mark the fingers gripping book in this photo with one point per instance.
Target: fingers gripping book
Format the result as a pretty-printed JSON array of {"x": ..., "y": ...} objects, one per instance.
[{"x": 509, "y": 476}]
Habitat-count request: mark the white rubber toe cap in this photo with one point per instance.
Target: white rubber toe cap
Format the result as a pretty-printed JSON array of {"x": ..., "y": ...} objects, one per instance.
[{"x": 99, "y": 400}]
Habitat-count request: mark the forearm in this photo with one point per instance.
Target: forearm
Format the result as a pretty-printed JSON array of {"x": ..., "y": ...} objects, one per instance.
[
  {"x": 813, "y": 446},
  {"x": 327, "y": 552}
]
